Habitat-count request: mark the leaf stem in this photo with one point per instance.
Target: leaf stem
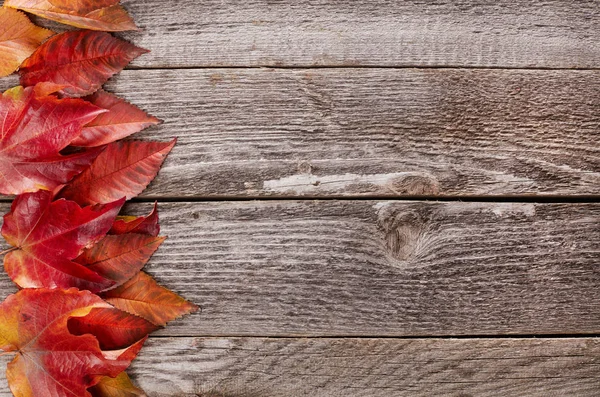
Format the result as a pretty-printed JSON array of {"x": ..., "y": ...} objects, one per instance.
[{"x": 7, "y": 251}]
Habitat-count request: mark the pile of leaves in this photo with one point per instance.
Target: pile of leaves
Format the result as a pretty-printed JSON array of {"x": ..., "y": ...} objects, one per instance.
[{"x": 84, "y": 307}]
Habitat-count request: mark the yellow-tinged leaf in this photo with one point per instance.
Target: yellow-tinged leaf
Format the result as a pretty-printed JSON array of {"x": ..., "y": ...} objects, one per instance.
[
  {"x": 104, "y": 15},
  {"x": 49, "y": 360},
  {"x": 121, "y": 386},
  {"x": 143, "y": 297},
  {"x": 18, "y": 39}
]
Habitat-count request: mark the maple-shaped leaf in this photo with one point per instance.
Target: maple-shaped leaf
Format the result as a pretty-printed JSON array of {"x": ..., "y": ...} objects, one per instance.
[
  {"x": 124, "y": 168},
  {"x": 121, "y": 386},
  {"x": 114, "y": 328},
  {"x": 80, "y": 60},
  {"x": 137, "y": 224},
  {"x": 34, "y": 129},
  {"x": 105, "y": 15},
  {"x": 143, "y": 297},
  {"x": 48, "y": 235},
  {"x": 18, "y": 39},
  {"x": 120, "y": 257},
  {"x": 50, "y": 361},
  {"x": 121, "y": 120}
]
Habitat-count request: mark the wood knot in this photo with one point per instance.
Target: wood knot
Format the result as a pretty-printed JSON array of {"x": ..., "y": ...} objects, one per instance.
[
  {"x": 415, "y": 184},
  {"x": 403, "y": 229}
]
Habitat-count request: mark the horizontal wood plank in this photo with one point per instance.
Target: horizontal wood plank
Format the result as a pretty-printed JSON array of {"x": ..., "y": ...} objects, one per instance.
[
  {"x": 257, "y": 367},
  {"x": 356, "y": 132},
  {"x": 362, "y": 268},
  {"x": 482, "y": 33},
  {"x": 369, "y": 367}
]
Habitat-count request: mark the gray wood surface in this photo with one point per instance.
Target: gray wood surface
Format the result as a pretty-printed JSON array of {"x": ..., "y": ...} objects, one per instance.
[
  {"x": 480, "y": 33},
  {"x": 382, "y": 132},
  {"x": 369, "y": 367},
  {"x": 258, "y": 367},
  {"x": 370, "y": 99},
  {"x": 364, "y": 268}
]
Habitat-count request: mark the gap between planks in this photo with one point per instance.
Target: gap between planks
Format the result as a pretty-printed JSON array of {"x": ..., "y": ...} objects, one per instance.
[{"x": 558, "y": 199}]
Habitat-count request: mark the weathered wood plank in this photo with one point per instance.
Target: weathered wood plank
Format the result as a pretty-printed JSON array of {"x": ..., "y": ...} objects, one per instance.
[
  {"x": 323, "y": 133},
  {"x": 498, "y": 33},
  {"x": 362, "y": 268},
  {"x": 245, "y": 367},
  {"x": 256, "y": 367},
  {"x": 377, "y": 132}
]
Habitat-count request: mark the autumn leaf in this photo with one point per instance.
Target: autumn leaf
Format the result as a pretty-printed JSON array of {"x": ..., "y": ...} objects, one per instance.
[
  {"x": 34, "y": 129},
  {"x": 114, "y": 328},
  {"x": 104, "y": 15},
  {"x": 18, "y": 39},
  {"x": 143, "y": 297},
  {"x": 50, "y": 361},
  {"x": 121, "y": 120},
  {"x": 80, "y": 60},
  {"x": 120, "y": 257},
  {"x": 137, "y": 224},
  {"x": 120, "y": 386},
  {"x": 124, "y": 168},
  {"x": 48, "y": 235}
]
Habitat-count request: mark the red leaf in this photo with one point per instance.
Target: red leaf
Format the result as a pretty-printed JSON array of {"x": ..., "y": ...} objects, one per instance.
[
  {"x": 119, "y": 258},
  {"x": 121, "y": 120},
  {"x": 143, "y": 224},
  {"x": 113, "y": 328},
  {"x": 143, "y": 297},
  {"x": 80, "y": 60},
  {"x": 125, "y": 168},
  {"x": 86, "y": 14},
  {"x": 120, "y": 386},
  {"x": 34, "y": 129},
  {"x": 50, "y": 361},
  {"x": 18, "y": 39},
  {"x": 48, "y": 235}
]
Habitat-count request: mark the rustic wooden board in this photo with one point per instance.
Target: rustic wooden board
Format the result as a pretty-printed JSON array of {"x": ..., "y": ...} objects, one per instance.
[
  {"x": 377, "y": 132},
  {"x": 257, "y": 367},
  {"x": 363, "y": 268},
  {"x": 481, "y": 33},
  {"x": 248, "y": 367}
]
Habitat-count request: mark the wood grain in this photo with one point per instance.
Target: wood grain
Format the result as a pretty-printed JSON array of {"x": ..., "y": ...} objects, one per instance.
[
  {"x": 307, "y": 33},
  {"x": 258, "y": 367},
  {"x": 363, "y": 268},
  {"x": 248, "y": 367},
  {"x": 357, "y": 132}
]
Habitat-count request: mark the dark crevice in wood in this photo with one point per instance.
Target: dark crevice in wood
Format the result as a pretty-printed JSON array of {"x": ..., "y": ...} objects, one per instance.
[
  {"x": 466, "y": 199},
  {"x": 462, "y": 199},
  {"x": 402, "y": 337},
  {"x": 313, "y": 67}
]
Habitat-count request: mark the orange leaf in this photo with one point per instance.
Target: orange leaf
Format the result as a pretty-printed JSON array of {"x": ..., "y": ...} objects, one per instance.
[
  {"x": 48, "y": 235},
  {"x": 18, "y": 39},
  {"x": 122, "y": 119},
  {"x": 104, "y": 15},
  {"x": 50, "y": 361},
  {"x": 120, "y": 386},
  {"x": 83, "y": 6},
  {"x": 141, "y": 224},
  {"x": 124, "y": 168},
  {"x": 113, "y": 328},
  {"x": 120, "y": 257},
  {"x": 143, "y": 297},
  {"x": 80, "y": 60}
]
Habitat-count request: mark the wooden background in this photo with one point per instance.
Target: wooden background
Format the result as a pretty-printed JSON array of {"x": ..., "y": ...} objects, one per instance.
[{"x": 373, "y": 198}]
